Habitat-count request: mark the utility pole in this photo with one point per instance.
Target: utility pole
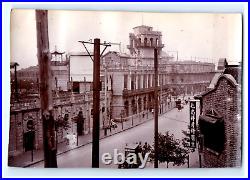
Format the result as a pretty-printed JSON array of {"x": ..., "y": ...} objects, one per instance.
[
  {"x": 156, "y": 107},
  {"x": 43, "y": 54},
  {"x": 96, "y": 97},
  {"x": 96, "y": 104}
]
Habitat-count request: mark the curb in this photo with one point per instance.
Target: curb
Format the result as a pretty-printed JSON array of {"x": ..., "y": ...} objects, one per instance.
[{"x": 89, "y": 142}]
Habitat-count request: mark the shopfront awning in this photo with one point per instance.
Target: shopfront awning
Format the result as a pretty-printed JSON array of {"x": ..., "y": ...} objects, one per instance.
[{"x": 210, "y": 119}]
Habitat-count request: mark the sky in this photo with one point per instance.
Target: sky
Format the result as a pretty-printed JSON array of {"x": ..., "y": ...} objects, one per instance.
[{"x": 207, "y": 37}]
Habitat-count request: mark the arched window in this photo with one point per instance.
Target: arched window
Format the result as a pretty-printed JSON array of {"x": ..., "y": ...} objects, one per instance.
[
  {"x": 151, "y": 42},
  {"x": 145, "y": 41},
  {"x": 157, "y": 42},
  {"x": 139, "y": 42}
]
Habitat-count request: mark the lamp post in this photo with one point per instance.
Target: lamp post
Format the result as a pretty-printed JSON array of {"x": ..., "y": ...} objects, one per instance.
[
  {"x": 122, "y": 115},
  {"x": 14, "y": 65},
  {"x": 105, "y": 119}
]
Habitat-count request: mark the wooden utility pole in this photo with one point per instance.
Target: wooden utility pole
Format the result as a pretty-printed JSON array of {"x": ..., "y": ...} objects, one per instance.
[
  {"x": 96, "y": 97},
  {"x": 43, "y": 54},
  {"x": 156, "y": 108},
  {"x": 96, "y": 104}
]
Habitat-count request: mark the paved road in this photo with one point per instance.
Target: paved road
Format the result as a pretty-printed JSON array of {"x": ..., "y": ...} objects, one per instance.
[{"x": 174, "y": 121}]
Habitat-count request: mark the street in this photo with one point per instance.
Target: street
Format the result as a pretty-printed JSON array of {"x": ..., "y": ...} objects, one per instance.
[{"x": 174, "y": 121}]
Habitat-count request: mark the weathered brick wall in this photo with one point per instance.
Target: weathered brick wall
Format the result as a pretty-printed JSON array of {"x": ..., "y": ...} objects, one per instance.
[
  {"x": 225, "y": 100},
  {"x": 18, "y": 128}
]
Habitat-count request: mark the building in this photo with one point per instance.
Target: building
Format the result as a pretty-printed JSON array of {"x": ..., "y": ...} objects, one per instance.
[
  {"x": 60, "y": 71},
  {"x": 66, "y": 105},
  {"x": 132, "y": 75},
  {"x": 220, "y": 119},
  {"x": 127, "y": 85},
  {"x": 69, "y": 98}
]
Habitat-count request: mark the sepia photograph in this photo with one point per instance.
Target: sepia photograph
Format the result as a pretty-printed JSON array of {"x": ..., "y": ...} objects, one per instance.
[{"x": 125, "y": 90}]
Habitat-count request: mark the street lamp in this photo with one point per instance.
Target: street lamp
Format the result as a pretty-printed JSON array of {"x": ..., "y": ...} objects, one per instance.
[
  {"x": 122, "y": 115},
  {"x": 14, "y": 65},
  {"x": 105, "y": 119}
]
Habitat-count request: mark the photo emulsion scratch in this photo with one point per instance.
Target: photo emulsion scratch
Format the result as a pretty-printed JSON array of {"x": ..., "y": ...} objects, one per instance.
[{"x": 125, "y": 90}]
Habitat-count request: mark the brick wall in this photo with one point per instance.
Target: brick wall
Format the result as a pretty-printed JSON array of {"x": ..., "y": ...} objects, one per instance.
[{"x": 224, "y": 99}]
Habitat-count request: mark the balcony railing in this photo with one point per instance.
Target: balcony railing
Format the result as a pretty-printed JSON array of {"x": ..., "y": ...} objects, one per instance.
[
  {"x": 148, "y": 45},
  {"x": 140, "y": 91}
]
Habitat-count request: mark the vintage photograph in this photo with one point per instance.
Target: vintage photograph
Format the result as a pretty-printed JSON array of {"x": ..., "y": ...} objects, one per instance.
[{"x": 125, "y": 90}]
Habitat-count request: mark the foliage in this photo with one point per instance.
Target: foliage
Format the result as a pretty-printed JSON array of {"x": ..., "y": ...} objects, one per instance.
[{"x": 170, "y": 150}]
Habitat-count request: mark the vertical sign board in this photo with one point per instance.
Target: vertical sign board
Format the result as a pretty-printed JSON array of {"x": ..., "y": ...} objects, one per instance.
[{"x": 192, "y": 127}]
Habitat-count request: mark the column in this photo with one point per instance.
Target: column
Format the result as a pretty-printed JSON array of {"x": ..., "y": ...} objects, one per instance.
[{"x": 142, "y": 77}]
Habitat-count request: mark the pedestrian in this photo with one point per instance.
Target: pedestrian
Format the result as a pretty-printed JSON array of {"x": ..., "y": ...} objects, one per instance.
[
  {"x": 145, "y": 149},
  {"x": 80, "y": 123},
  {"x": 137, "y": 151}
]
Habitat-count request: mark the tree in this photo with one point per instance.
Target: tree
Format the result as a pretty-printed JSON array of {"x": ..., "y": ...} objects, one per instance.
[{"x": 170, "y": 150}]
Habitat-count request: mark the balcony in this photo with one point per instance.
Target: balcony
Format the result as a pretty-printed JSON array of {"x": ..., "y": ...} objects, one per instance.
[
  {"x": 128, "y": 93},
  {"x": 148, "y": 45}
]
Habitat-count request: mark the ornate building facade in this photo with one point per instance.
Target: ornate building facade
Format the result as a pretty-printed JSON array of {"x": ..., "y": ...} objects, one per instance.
[{"x": 132, "y": 75}]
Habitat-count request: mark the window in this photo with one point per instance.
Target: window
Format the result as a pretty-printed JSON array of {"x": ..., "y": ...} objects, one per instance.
[
  {"x": 212, "y": 128},
  {"x": 134, "y": 108},
  {"x": 139, "y": 42},
  {"x": 76, "y": 87},
  {"x": 149, "y": 82},
  {"x": 133, "y": 82},
  {"x": 125, "y": 81},
  {"x": 139, "y": 105},
  {"x": 139, "y": 82},
  {"x": 157, "y": 42},
  {"x": 151, "y": 42},
  {"x": 144, "y": 80},
  {"x": 145, "y": 42}
]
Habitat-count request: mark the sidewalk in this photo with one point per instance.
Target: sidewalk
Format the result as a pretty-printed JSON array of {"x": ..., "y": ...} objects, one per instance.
[{"x": 25, "y": 159}]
